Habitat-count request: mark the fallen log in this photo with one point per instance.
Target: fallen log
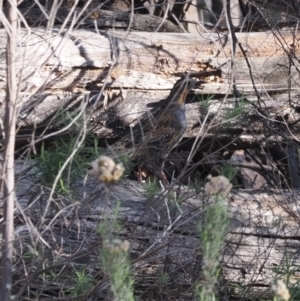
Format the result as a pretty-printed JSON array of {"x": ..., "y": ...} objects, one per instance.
[
  {"x": 262, "y": 237},
  {"x": 121, "y": 74}
]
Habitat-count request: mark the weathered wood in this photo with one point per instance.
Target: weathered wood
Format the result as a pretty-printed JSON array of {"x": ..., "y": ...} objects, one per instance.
[
  {"x": 263, "y": 232},
  {"x": 140, "y": 68},
  {"x": 102, "y": 19}
]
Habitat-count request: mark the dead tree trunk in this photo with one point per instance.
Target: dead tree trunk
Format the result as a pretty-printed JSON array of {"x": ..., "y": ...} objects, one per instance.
[
  {"x": 121, "y": 73},
  {"x": 262, "y": 237}
]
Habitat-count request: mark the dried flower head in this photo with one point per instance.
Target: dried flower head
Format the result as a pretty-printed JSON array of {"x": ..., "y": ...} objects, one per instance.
[
  {"x": 116, "y": 245},
  {"x": 218, "y": 185},
  {"x": 281, "y": 290},
  {"x": 106, "y": 169}
]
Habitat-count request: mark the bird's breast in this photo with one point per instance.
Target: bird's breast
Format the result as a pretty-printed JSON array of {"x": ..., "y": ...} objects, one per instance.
[{"x": 180, "y": 118}]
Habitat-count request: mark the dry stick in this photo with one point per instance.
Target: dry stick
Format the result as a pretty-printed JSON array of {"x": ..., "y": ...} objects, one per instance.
[
  {"x": 200, "y": 137},
  {"x": 9, "y": 146},
  {"x": 179, "y": 23},
  {"x": 292, "y": 160},
  {"x": 36, "y": 272},
  {"x": 231, "y": 32},
  {"x": 56, "y": 51},
  {"x": 79, "y": 142},
  {"x": 67, "y": 18},
  {"x": 163, "y": 18}
]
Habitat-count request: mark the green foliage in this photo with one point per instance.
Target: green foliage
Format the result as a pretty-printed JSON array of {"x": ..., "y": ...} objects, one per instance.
[
  {"x": 50, "y": 161},
  {"x": 289, "y": 272},
  {"x": 163, "y": 279},
  {"x": 285, "y": 269},
  {"x": 30, "y": 254},
  {"x": 294, "y": 290},
  {"x": 152, "y": 189},
  {"x": 114, "y": 257},
  {"x": 237, "y": 110},
  {"x": 196, "y": 185},
  {"x": 204, "y": 103},
  {"x": 107, "y": 228},
  {"x": 81, "y": 282},
  {"x": 229, "y": 171},
  {"x": 212, "y": 233},
  {"x": 127, "y": 163}
]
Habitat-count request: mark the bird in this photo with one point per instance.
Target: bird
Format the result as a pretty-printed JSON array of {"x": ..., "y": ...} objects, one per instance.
[{"x": 150, "y": 142}]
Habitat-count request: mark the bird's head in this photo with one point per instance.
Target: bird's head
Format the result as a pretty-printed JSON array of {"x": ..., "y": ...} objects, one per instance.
[{"x": 181, "y": 89}]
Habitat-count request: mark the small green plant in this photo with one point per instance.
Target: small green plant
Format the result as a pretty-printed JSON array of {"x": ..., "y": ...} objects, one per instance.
[
  {"x": 114, "y": 256},
  {"x": 81, "y": 281},
  {"x": 204, "y": 103},
  {"x": 238, "y": 109},
  {"x": 127, "y": 163},
  {"x": 31, "y": 254},
  {"x": 196, "y": 185},
  {"x": 212, "y": 233},
  {"x": 229, "y": 171},
  {"x": 286, "y": 269},
  {"x": 50, "y": 161},
  {"x": 289, "y": 289},
  {"x": 294, "y": 290},
  {"x": 163, "y": 279},
  {"x": 152, "y": 189}
]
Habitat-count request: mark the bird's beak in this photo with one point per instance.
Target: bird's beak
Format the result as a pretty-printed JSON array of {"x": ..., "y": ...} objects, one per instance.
[{"x": 196, "y": 84}]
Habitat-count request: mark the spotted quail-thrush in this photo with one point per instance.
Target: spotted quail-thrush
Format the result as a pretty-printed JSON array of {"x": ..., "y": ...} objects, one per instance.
[{"x": 158, "y": 132}]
